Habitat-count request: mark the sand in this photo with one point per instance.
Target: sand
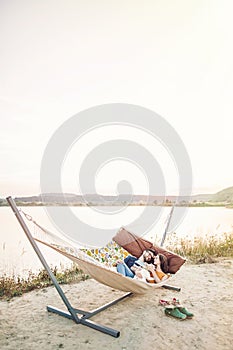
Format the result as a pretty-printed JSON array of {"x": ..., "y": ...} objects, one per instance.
[{"x": 206, "y": 290}]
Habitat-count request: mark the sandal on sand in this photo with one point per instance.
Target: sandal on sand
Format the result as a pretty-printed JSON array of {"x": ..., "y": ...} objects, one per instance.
[
  {"x": 164, "y": 302},
  {"x": 176, "y": 302},
  {"x": 175, "y": 313}
]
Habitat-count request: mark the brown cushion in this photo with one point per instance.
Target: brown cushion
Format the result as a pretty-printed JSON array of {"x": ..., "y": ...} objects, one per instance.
[{"x": 136, "y": 245}]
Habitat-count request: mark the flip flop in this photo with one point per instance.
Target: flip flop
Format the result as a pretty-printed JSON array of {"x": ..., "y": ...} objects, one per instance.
[{"x": 164, "y": 302}]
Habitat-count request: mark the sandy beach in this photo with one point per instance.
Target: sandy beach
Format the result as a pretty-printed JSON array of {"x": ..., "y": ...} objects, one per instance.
[{"x": 206, "y": 290}]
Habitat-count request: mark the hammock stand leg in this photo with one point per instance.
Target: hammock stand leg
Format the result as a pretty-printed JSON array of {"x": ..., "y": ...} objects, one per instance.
[
  {"x": 167, "y": 286},
  {"x": 72, "y": 312}
]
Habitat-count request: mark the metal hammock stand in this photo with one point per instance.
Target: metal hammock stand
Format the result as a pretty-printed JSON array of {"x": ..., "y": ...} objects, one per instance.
[{"x": 77, "y": 315}]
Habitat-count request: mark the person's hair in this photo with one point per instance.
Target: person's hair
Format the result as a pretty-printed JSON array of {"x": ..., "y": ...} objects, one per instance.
[
  {"x": 163, "y": 263},
  {"x": 153, "y": 252}
]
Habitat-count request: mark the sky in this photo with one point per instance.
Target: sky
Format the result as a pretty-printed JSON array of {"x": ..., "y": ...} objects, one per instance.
[{"x": 60, "y": 57}]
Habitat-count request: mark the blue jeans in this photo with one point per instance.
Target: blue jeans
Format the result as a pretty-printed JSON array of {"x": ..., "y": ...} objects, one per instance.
[{"x": 125, "y": 270}]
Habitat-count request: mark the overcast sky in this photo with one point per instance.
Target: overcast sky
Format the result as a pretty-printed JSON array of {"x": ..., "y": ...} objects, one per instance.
[{"x": 59, "y": 57}]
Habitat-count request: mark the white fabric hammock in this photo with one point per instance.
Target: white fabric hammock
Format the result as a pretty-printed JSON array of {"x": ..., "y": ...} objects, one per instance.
[
  {"x": 99, "y": 271},
  {"x": 102, "y": 273}
]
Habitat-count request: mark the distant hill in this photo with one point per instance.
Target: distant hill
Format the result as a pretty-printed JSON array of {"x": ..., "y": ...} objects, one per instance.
[
  {"x": 224, "y": 196},
  {"x": 202, "y": 197},
  {"x": 92, "y": 198}
]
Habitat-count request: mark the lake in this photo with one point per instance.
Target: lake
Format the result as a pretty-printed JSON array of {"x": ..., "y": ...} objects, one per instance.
[{"x": 18, "y": 257}]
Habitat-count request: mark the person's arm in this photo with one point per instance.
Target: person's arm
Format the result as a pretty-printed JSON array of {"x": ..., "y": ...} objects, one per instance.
[
  {"x": 137, "y": 271},
  {"x": 154, "y": 274},
  {"x": 133, "y": 268},
  {"x": 129, "y": 261},
  {"x": 151, "y": 268}
]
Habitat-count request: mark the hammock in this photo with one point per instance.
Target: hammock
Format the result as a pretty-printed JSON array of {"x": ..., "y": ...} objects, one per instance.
[{"x": 102, "y": 273}]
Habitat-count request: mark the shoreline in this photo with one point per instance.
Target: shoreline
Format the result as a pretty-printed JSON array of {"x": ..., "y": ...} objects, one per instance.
[{"x": 187, "y": 205}]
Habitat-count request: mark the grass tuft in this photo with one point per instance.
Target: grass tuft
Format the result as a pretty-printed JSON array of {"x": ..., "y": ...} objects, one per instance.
[{"x": 16, "y": 286}]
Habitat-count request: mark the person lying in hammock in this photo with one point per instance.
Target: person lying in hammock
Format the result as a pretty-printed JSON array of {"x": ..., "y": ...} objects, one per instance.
[
  {"x": 148, "y": 267},
  {"x": 158, "y": 270},
  {"x": 132, "y": 266}
]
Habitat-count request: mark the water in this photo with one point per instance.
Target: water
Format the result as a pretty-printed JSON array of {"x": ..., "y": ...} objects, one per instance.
[{"x": 18, "y": 257}]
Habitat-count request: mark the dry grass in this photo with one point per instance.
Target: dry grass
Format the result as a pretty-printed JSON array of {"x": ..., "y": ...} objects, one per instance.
[{"x": 202, "y": 249}]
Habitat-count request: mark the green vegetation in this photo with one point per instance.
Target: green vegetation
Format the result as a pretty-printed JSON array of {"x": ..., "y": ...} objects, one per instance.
[
  {"x": 225, "y": 195},
  {"x": 15, "y": 286},
  {"x": 202, "y": 249}
]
